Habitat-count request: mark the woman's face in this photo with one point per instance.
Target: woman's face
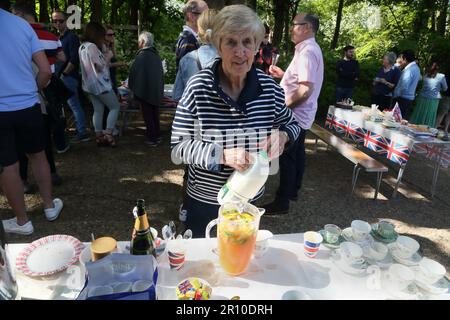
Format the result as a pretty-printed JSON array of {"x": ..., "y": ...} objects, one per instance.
[
  {"x": 386, "y": 62},
  {"x": 237, "y": 53}
]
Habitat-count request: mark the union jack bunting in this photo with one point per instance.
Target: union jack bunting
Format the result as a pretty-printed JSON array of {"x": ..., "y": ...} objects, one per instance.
[
  {"x": 398, "y": 153},
  {"x": 376, "y": 142},
  {"x": 329, "y": 123},
  {"x": 356, "y": 133},
  {"x": 431, "y": 152}
]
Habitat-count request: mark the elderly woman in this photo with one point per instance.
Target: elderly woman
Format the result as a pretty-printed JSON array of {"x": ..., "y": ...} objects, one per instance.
[
  {"x": 97, "y": 82},
  {"x": 146, "y": 81},
  {"x": 227, "y": 111},
  {"x": 385, "y": 82},
  {"x": 198, "y": 59}
]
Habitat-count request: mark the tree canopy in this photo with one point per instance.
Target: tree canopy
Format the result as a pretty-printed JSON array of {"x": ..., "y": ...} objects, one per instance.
[{"x": 373, "y": 27}]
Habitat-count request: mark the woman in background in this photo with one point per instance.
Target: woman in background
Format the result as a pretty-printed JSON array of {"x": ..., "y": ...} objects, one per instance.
[{"x": 425, "y": 110}]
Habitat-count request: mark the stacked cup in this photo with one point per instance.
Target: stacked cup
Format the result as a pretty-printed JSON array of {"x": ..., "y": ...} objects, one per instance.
[{"x": 311, "y": 243}]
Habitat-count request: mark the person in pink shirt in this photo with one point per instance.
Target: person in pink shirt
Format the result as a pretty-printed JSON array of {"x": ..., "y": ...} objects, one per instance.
[{"x": 301, "y": 82}]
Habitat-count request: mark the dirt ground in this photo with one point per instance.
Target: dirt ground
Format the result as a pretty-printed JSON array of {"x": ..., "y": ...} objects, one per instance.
[{"x": 100, "y": 187}]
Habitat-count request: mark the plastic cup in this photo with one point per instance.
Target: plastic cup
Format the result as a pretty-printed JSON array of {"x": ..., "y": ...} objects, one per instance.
[
  {"x": 177, "y": 254},
  {"x": 311, "y": 243}
]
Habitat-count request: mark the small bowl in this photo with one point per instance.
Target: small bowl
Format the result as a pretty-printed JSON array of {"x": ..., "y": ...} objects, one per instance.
[{"x": 295, "y": 295}]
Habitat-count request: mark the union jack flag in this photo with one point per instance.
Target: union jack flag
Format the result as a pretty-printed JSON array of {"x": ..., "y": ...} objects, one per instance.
[
  {"x": 376, "y": 142},
  {"x": 433, "y": 153},
  {"x": 329, "y": 123},
  {"x": 398, "y": 153},
  {"x": 355, "y": 132}
]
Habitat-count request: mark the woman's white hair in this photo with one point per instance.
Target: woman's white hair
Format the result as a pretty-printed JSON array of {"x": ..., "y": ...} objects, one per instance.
[
  {"x": 147, "y": 38},
  {"x": 236, "y": 19}
]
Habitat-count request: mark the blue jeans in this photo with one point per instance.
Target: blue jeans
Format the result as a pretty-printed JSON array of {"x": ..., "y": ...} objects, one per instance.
[
  {"x": 292, "y": 167},
  {"x": 343, "y": 93},
  {"x": 75, "y": 105}
]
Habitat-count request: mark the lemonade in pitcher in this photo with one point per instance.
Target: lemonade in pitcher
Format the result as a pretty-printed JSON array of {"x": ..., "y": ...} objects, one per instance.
[{"x": 236, "y": 237}]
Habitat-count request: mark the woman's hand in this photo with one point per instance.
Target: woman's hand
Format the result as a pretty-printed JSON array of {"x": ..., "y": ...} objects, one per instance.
[
  {"x": 274, "y": 144},
  {"x": 276, "y": 72},
  {"x": 237, "y": 158}
]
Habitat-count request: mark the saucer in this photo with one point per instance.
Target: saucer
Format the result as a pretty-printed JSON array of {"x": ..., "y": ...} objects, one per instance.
[
  {"x": 347, "y": 234},
  {"x": 439, "y": 287},
  {"x": 349, "y": 269},
  {"x": 335, "y": 245},
  {"x": 378, "y": 237},
  {"x": 412, "y": 292},
  {"x": 414, "y": 260}
]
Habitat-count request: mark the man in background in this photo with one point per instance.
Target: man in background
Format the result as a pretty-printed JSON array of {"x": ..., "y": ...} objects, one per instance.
[
  {"x": 69, "y": 72},
  {"x": 21, "y": 124},
  {"x": 405, "y": 91},
  {"x": 302, "y": 83},
  {"x": 347, "y": 71},
  {"x": 188, "y": 40}
]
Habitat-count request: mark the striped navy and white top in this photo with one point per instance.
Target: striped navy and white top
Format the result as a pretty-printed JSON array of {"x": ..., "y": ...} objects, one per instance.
[{"x": 207, "y": 121}]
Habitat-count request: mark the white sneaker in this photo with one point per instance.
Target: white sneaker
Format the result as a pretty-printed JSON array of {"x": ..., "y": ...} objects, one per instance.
[
  {"x": 11, "y": 226},
  {"x": 53, "y": 213},
  {"x": 182, "y": 216}
]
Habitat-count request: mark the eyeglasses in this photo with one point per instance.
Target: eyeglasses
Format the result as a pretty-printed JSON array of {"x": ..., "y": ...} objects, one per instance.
[
  {"x": 111, "y": 34},
  {"x": 58, "y": 20},
  {"x": 196, "y": 13}
]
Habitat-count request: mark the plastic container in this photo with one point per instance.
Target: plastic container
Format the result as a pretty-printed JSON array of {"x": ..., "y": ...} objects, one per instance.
[{"x": 244, "y": 186}]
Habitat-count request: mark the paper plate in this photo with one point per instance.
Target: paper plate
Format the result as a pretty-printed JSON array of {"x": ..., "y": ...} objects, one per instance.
[{"x": 49, "y": 255}]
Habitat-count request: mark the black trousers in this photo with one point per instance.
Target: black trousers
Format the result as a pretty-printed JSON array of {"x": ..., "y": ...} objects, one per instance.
[
  {"x": 405, "y": 106},
  {"x": 292, "y": 167}
]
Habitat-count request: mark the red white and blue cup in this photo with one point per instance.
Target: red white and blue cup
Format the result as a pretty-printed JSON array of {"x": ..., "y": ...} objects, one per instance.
[
  {"x": 176, "y": 251},
  {"x": 311, "y": 243}
]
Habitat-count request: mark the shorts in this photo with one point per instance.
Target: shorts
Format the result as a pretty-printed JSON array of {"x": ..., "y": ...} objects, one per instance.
[{"x": 21, "y": 131}]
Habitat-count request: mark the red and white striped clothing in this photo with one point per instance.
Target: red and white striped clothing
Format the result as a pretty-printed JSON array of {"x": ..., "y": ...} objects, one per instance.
[{"x": 50, "y": 42}]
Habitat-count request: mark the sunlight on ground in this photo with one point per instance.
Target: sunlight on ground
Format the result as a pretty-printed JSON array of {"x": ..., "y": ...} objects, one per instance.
[
  {"x": 367, "y": 192},
  {"x": 168, "y": 176},
  {"x": 404, "y": 190}
]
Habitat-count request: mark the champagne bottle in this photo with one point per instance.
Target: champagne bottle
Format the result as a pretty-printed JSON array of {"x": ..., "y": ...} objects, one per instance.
[{"x": 142, "y": 242}]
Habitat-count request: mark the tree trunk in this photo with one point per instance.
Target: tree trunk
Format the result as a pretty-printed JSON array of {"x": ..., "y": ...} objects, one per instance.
[
  {"x": 147, "y": 6},
  {"x": 134, "y": 12},
  {"x": 337, "y": 29},
  {"x": 442, "y": 19},
  {"x": 43, "y": 11},
  {"x": 96, "y": 11},
  {"x": 280, "y": 6},
  {"x": 287, "y": 31},
  {"x": 433, "y": 21}
]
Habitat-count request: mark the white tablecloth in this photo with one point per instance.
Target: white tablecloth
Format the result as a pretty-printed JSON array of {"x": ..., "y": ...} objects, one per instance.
[{"x": 284, "y": 267}]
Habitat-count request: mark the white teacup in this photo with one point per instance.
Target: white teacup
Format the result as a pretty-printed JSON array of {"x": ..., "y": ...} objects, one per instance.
[
  {"x": 100, "y": 291},
  {"x": 351, "y": 253},
  {"x": 406, "y": 247},
  {"x": 378, "y": 251},
  {"x": 262, "y": 243},
  {"x": 400, "y": 276},
  {"x": 360, "y": 229},
  {"x": 431, "y": 270}
]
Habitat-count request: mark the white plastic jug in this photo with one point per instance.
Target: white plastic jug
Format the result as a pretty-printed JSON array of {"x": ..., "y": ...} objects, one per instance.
[{"x": 243, "y": 186}]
